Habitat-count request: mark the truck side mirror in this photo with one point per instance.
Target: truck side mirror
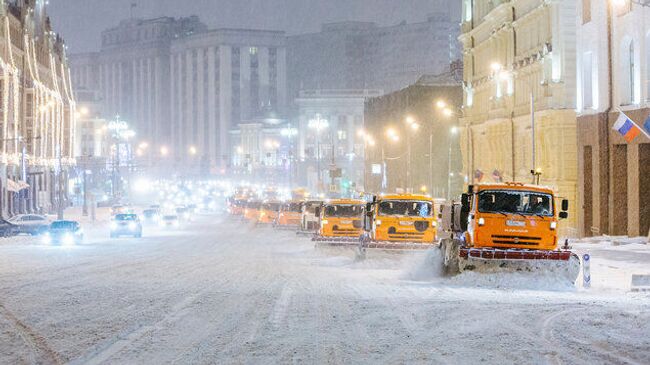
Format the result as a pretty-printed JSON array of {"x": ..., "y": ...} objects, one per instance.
[
  {"x": 565, "y": 205},
  {"x": 563, "y": 215},
  {"x": 465, "y": 202}
]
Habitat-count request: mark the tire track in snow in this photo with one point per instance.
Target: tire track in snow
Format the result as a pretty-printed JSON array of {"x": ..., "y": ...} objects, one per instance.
[
  {"x": 281, "y": 306},
  {"x": 35, "y": 341}
]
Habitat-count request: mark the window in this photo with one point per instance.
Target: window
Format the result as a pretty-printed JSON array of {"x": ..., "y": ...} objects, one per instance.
[
  {"x": 628, "y": 70},
  {"x": 587, "y": 81},
  {"x": 586, "y": 11}
]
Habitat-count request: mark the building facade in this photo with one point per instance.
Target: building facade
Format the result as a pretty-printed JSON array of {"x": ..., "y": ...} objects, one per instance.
[
  {"x": 183, "y": 87},
  {"x": 613, "y": 63},
  {"x": 520, "y": 56},
  {"x": 220, "y": 79},
  {"x": 433, "y": 163},
  {"x": 330, "y": 147},
  {"x": 37, "y": 111},
  {"x": 362, "y": 55}
]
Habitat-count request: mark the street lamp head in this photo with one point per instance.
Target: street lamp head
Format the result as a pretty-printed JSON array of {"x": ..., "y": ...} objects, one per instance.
[
  {"x": 193, "y": 151},
  {"x": 415, "y": 126},
  {"x": 410, "y": 120},
  {"x": 164, "y": 151}
]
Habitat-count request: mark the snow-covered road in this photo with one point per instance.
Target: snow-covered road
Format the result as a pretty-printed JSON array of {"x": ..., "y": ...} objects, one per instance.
[{"x": 222, "y": 291}]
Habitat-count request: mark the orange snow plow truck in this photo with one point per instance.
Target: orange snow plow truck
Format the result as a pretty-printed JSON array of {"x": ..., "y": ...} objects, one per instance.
[{"x": 506, "y": 227}]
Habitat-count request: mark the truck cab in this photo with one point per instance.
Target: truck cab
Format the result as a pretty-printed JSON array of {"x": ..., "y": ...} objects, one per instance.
[
  {"x": 290, "y": 213},
  {"x": 252, "y": 211},
  {"x": 269, "y": 211},
  {"x": 309, "y": 221},
  {"x": 512, "y": 215},
  {"x": 401, "y": 218},
  {"x": 341, "y": 218}
]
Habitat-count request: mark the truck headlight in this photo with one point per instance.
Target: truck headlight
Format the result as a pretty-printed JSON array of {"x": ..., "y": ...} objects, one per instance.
[
  {"x": 553, "y": 225},
  {"x": 378, "y": 222},
  {"x": 434, "y": 224},
  {"x": 324, "y": 221},
  {"x": 481, "y": 222}
]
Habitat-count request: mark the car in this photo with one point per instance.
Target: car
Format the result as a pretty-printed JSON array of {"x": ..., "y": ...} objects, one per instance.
[
  {"x": 184, "y": 213},
  {"x": 7, "y": 229},
  {"x": 169, "y": 220},
  {"x": 31, "y": 224},
  {"x": 151, "y": 215},
  {"x": 64, "y": 232},
  {"x": 126, "y": 225}
]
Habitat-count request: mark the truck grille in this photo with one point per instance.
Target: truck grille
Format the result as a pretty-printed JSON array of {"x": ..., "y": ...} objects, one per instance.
[{"x": 516, "y": 240}]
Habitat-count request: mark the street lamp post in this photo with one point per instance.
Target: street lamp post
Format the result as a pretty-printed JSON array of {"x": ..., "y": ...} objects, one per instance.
[{"x": 318, "y": 124}]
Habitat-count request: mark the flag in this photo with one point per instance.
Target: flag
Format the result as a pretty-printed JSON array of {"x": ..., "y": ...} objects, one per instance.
[
  {"x": 626, "y": 127},
  {"x": 646, "y": 127}
]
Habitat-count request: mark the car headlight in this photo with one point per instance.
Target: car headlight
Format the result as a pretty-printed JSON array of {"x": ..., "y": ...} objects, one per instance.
[
  {"x": 132, "y": 226},
  {"x": 47, "y": 239},
  {"x": 68, "y": 239},
  {"x": 113, "y": 225}
]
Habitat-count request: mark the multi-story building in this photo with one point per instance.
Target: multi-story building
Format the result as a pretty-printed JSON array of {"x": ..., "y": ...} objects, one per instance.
[
  {"x": 362, "y": 55},
  {"x": 183, "y": 87},
  {"x": 411, "y": 145},
  {"x": 132, "y": 73},
  {"x": 220, "y": 79},
  {"x": 613, "y": 62},
  {"x": 330, "y": 149},
  {"x": 519, "y": 56},
  {"x": 37, "y": 111}
]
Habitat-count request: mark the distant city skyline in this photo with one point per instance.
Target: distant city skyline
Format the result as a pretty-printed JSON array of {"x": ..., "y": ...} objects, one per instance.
[{"x": 81, "y": 22}]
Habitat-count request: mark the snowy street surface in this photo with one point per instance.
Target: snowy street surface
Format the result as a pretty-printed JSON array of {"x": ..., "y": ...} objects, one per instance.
[{"x": 222, "y": 291}]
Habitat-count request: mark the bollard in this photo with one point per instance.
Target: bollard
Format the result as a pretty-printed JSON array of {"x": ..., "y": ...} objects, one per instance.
[{"x": 586, "y": 272}]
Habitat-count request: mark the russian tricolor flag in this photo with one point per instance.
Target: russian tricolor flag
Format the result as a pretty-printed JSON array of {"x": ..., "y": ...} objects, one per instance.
[{"x": 627, "y": 128}]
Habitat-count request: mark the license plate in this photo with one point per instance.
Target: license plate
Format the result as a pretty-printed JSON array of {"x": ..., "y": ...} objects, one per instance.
[
  {"x": 516, "y": 223},
  {"x": 406, "y": 223},
  {"x": 346, "y": 222}
]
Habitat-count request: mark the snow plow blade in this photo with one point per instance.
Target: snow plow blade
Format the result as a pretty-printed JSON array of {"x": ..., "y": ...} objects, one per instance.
[
  {"x": 364, "y": 247},
  {"x": 336, "y": 241},
  {"x": 561, "y": 263}
]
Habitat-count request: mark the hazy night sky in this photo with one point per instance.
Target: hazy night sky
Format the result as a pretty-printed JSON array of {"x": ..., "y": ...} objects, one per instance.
[{"x": 81, "y": 21}]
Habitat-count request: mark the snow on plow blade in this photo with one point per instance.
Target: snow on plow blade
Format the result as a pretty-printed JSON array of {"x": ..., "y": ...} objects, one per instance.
[
  {"x": 336, "y": 241},
  {"x": 560, "y": 263}
]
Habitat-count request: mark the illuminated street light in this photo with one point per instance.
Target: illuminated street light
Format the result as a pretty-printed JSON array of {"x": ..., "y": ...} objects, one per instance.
[
  {"x": 441, "y": 104},
  {"x": 496, "y": 67},
  {"x": 192, "y": 151},
  {"x": 164, "y": 151}
]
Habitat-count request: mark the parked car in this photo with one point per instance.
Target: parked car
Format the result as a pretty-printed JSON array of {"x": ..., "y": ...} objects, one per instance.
[
  {"x": 151, "y": 216},
  {"x": 64, "y": 233},
  {"x": 32, "y": 224},
  {"x": 7, "y": 229}
]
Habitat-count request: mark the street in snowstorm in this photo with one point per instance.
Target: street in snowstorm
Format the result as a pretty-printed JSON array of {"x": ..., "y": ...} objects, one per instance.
[
  {"x": 324, "y": 182},
  {"x": 222, "y": 290}
]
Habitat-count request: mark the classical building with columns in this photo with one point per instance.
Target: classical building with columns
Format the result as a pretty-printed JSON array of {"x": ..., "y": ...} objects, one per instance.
[
  {"x": 519, "y": 53},
  {"x": 183, "y": 87},
  {"x": 37, "y": 111}
]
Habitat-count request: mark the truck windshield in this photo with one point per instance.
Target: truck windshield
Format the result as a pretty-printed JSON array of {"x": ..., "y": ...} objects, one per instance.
[
  {"x": 273, "y": 207},
  {"x": 343, "y": 210},
  {"x": 515, "y": 202},
  {"x": 405, "y": 208}
]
